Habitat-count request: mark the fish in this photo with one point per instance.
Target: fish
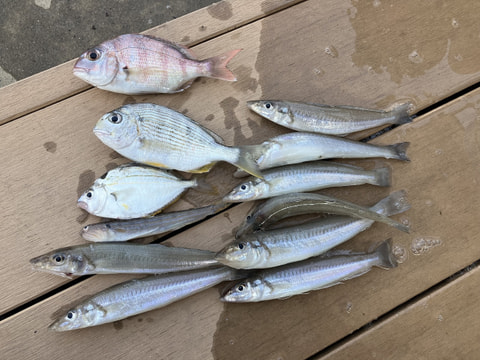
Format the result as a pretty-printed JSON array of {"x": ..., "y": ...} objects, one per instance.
[
  {"x": 313, "y": 274},
  {"x": 121, "y": 258},
  {"x": 326, "y": 119},
  {"x": 265, "y": 249},
  {"x": 299, "y": 147},
  {"x": 306, "y": 177},
  {"x": 136, "y": 64},
  {"x": 158, "y": 136},
  {"x": 132, "y": 191},
  {"x": 140, "y": 295},
  {"x": 279, "y": 207},
  {"x": 124, "y": 230}
]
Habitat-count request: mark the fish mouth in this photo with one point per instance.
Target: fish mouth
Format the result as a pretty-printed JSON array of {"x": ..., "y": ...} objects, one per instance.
[
  {"x": 101, "y": 132},
  {"x": 82, "y": 205}
]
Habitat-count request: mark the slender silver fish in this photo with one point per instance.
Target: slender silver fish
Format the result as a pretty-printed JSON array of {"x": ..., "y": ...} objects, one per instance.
[
  {"x": 133, "y": 191},
  {"x": 306, "y": 177},
  {"x": 326, "y": 119},
  {"x": 312, "y": 274},
  {"x": 158, "y": 136},
  {"x": 121, "y": 258},
  {"x": 279, "y": 207},
  {"x": 138, "y": 296},
  {"x": 265, "y": 249},
  {"x": 136, "y": 228},
  {"x": 299, "y": 147}
]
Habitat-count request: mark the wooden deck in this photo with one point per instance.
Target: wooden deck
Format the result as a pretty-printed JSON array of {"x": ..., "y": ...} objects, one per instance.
[{"x": 369, "y": 54}]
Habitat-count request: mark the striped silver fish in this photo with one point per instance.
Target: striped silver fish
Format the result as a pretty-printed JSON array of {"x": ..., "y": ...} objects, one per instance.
[
  {"x": 280, "y": 207},
  {"x": 306, "y": 177},
  {"x": 125, "y": 230},
  {"x": 138, "y": 296},
  {"x": 265, "y": 249},
  {"x": 299, "y": 147},
  {"x": 325, "y": 119},
  {"x": 312, "y": 274},
  {"x": 158, "y": 136},
  {"x": 120, "y": 258},
  {"x": 133, "y": 191}
]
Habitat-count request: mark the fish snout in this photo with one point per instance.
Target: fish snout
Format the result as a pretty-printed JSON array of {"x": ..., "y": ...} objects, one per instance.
[{"x": 82, "y": 205}]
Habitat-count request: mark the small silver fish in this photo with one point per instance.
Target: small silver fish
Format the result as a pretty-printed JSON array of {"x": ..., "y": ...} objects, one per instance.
[
  {"x": 142, "y": 64},
  {"x": 133, "y": 191},
  {"x": 306, "y": 177},
  {"x": 125, "y": 230},
  {"x": 283, "y": 206},
  {"x": 120, "y": 258},
  {"x": 158, "y": 136},
  {"x": 299, "y": 147},
  {"x": 325, "y": 119},
  {"x": 265, "y": 249},
  {"x": 138, "y": 296},
  {"x": 308, "y": 275}
]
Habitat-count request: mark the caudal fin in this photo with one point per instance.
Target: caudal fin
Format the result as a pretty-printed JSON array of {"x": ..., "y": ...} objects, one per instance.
[
  {"x": 401, "y": 113},
  {"x": 218, "y": 66},
  {"x": 399, "y": 151},
  {"x": 385, "y": 255},
  {"x": 382, "y": 177},
  {"x": 247, "y": 160},
  {"x": 393, "y": 204}
]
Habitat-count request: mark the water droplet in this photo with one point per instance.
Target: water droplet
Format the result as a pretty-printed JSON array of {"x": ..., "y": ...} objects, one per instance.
[
  {"x": 331, "y": 51},
  {"x": 405, "y": 221},
  {"x": 429, "y": 202},
  {"x": 400, "y": 253},
  {"x": 458, "y": 57},
  {"x": 438, "y": 152},
  {"x": 424, "y": 244},
  {"x": 348, "y": 307},
  {"x": 376, "y": 3},
  {"x": 231, "y": 341},
  {"x": 415, "y": 57},
  {"x": 455, "y": 23},
  {"x": 440, "y": 317},
  {"x": 318, "y": 72}
]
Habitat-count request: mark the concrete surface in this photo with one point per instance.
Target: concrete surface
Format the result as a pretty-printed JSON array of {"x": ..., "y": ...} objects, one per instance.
[{"x": 36, "y": 35}]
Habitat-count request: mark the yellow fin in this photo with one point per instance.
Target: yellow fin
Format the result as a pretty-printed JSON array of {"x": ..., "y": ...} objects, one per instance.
[
  {"x": 158, "y": 165},
  {"x": 203, "y": 169}
]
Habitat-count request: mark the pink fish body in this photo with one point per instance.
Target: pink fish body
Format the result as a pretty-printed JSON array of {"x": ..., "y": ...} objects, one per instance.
[{"x": 139, "y": 64}]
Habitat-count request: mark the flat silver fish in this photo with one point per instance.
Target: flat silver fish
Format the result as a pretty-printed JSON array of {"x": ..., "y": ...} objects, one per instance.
[
  {"x": 125, "y": 230},
  {"x": 306, "y": 177},
  {"x": 279, "y": 207},
  {"x": 308, "y": 275},
  {"x": 138, "y": 296},
  {"x": 121, "y": 258},
  {"x": 265, "y": 249},
  {"x": 158, "y": 136},
  {"x": 133, "y": 191},
  {"x": 326, "y": 119}
]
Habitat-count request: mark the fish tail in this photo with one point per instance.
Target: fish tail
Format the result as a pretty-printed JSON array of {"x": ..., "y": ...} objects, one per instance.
[
  {"x": 393, "y": 204},
  {"x": 382, "y": 177},
  {"x": 385, "y": 255},
  {"x": 218, "y": 66},
  {"x": 401, "y": 113},
  {"x": 201, "y": 185},
  {"x": 400, "y": 151},
  {"x": 247, "y": 160}
]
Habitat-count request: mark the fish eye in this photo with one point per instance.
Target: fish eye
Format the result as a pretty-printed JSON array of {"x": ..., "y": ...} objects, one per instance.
[
  {"x": 58, "y": 258},
  {"x": 241, "y": 287},
  {"x": 241, "y": 246},
  {"x": 93, "y": 55},
  {"x": 249, "y": 217},
  {"x": 89, "y": 194},
  {"x": 243, "y": 187},
  {"x": 70, "y": 315},
  {"x": 115, "y": 119},
  {"x": 268, "y": 105}
]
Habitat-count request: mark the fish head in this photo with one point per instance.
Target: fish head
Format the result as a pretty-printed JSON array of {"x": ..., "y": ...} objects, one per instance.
[
  {"x": 94, "y": 200},
  {"x": 249, "y": 190},
  {"x": 83, "y": 315},
  {"x": 97, "y": 66},
  {"x": 245, "y": 291},
  {"x": 101, "y": 232},
  {"x": 272, "y": 110},
  {"x": 241, "y": 254},
  {"x": 117, "y": 129},
  {"x": 63, "y": 262}
]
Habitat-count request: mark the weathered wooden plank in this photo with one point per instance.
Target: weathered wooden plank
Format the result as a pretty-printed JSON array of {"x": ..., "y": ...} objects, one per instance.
[
  {"x": 441, "y": 182},
  {"x": 441, "y": 325},
  {"x": 58, "y": 83}
]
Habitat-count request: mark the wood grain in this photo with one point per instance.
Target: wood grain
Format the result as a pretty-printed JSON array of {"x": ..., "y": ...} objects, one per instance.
[{"x": 58, "y": 83}]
